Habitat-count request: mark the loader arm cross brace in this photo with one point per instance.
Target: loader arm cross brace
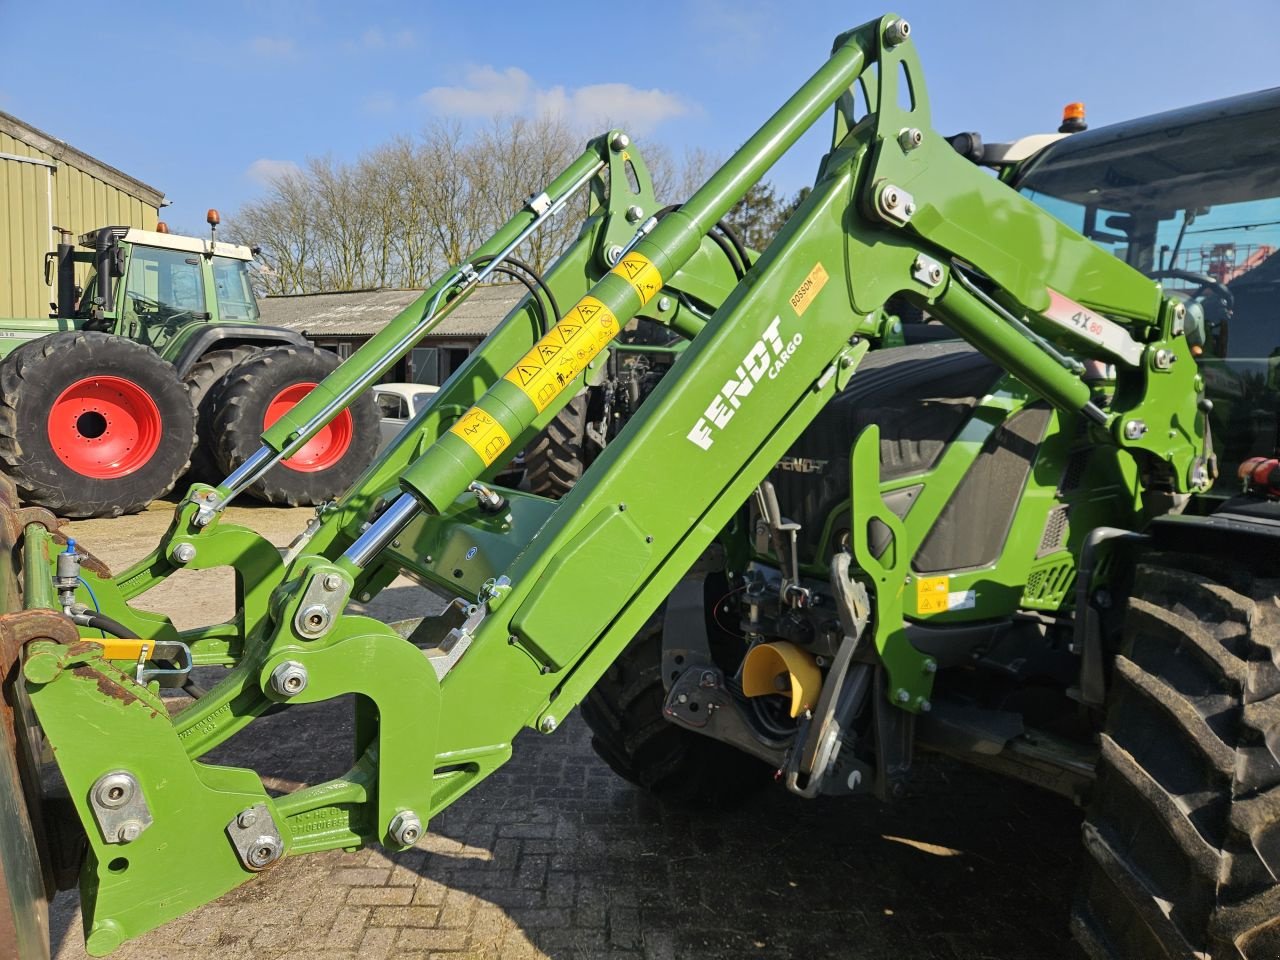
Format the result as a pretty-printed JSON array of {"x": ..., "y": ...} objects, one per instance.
[{"x": 548, "y": 594}]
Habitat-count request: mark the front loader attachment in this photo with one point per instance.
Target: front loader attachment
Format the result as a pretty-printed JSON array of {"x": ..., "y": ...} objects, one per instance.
[{"x": 545, "y": 595}]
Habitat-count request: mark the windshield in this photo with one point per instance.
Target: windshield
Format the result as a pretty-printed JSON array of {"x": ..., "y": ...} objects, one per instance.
[
  {"x": 235, "y": 295},
  {"x": 163, "y": 286}
]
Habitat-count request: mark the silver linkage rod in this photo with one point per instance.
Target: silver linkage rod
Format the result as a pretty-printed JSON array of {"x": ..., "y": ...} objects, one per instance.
[
  {"x": 264, "y": 458},
  {"x": 383, "y": 530}
]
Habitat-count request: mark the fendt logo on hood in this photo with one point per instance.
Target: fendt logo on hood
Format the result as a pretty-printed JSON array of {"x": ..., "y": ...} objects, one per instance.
[{"x": 766, "y": 357}]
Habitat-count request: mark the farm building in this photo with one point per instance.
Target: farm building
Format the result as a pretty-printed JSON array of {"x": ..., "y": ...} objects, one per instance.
[
  {"x": 341, "y": 322},
  {"x": 46, "y": 183}
]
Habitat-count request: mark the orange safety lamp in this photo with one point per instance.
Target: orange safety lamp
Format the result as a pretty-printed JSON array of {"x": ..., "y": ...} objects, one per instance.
[{"x": 1073, "y": 118}]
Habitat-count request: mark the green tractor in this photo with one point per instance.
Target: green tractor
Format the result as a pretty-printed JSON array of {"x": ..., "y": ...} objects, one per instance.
[
  {"x": 807, "y": 554},
  {"x": 157, "y": 368}
]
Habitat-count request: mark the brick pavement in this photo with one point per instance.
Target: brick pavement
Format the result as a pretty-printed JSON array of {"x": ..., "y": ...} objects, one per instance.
[{"x": 554, "y": 857}]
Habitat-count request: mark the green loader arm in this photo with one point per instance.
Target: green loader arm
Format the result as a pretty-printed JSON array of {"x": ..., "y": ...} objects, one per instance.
[{"x": 547, "y": 594}]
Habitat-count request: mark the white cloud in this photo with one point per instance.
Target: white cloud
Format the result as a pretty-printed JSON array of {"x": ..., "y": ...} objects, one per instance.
[
  {"x": 488, "y": 92},
  {"x": 265, "y": 172},
  {"x": 278, "y": 48}
]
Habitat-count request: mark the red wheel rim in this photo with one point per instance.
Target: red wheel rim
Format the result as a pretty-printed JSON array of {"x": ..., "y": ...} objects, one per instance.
[
  {"x": 104, "y": 427},
  {"x": 324, "y": 449}
]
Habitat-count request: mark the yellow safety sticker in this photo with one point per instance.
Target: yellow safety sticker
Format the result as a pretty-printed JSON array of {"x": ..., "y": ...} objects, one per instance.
[
  {"x": 813, "y": 284},
  {"x": 482, "y": 433},
  {"x": 639, "y": 271},
  {"x": 564, "y": 352},
  {"x": 933, "y": 594}
]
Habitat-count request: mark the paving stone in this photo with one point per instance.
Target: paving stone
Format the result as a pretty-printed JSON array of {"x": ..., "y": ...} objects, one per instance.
[{"x": 593, "y": 869}]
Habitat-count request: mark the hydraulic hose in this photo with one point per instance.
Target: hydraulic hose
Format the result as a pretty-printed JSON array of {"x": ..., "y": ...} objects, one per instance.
[
  {"x": 533, "y": 282},
  {"x": 724, "y": 237},
  {"x": 100, "y": 621}
]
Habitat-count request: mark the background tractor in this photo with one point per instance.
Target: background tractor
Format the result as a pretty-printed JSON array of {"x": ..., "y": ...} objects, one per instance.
[
  {"x": 807, "y": 553},
  {"x": 159, "y": 366}
]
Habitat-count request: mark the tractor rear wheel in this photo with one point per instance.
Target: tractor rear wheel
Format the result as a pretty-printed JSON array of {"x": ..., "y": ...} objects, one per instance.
[
  {"x": 624, "y": 712},
  {"x": 557, "y": 458},
  {"x": 260, "y": 390},
  {"x": 93, "y": 425},
  {"x": 1183, "y": 833},
  {"x": 200, "y": 380}
]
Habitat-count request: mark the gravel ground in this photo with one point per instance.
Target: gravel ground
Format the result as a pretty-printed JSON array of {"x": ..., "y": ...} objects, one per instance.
[{"x": 554, "y": 857}]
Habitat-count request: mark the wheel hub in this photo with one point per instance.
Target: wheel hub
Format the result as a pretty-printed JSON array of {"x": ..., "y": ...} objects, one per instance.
[{"x": 104, "y": 427}]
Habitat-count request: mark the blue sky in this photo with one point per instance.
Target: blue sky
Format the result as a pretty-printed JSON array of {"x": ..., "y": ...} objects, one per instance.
[{"x": 205, "y": 100}]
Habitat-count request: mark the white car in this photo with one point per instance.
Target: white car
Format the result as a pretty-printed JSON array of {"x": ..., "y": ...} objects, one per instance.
[{"x": 398, "y": 403}]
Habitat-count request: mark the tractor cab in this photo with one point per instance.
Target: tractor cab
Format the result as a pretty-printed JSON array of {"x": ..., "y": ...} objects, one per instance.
[
  {"x": 1203, "y": 219},
  {"x": 149, "y": 285}
]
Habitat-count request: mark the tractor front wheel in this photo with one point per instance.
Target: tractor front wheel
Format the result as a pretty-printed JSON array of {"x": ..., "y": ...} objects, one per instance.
[
  {"x": 93, "y": 425},
  {"x": 257, "y": 392},
  {"x": 629, "y": 732},
  {"x": 1183, "y": 833}
]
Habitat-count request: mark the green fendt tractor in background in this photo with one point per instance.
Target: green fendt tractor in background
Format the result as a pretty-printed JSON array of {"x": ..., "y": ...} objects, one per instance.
[
  {"x": 156, "y": 368},
  {"x": 806, "y": 554}
]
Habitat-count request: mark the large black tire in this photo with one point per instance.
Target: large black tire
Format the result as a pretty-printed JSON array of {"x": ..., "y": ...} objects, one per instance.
[
  {"x": 200, "y": 380},
  {"x": 93, "y": 425},
  {"x": 624, "y": 712},
  {"x": 240, "y": 403},
  {"x": 1183, "y": 833},
  {"x": 556, "y": 459}
]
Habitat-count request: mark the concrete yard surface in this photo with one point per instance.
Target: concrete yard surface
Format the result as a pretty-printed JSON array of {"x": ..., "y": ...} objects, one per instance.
[{"x": 555, "y": 857}]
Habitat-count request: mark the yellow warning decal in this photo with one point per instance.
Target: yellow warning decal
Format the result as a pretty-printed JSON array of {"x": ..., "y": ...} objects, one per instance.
[
  {"x": 639, "y": 271},
  {"x": 564, "y": 352},
  {"x": 482, "y": 433},
  {"x": 933, "y": 594},
  {"x": 813, "y": 284}
]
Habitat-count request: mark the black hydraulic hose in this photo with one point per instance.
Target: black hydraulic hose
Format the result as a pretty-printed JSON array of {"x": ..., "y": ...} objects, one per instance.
[
  {"x": 736, "y": 240},
  {"x": 732, "y": 247},
  {"x": 537, "y": 279},
  {"x": 100, "y": 621}
]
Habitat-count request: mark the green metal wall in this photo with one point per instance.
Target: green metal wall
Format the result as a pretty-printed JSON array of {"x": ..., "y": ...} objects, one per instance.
[{"x": 76, "y": 192}]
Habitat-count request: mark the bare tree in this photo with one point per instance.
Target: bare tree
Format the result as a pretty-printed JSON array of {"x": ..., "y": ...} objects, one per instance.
[{"x": 402, "y": 213}]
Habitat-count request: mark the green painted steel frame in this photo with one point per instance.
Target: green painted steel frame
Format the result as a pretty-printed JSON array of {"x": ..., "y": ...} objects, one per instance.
[{"x": 585, "y": 573}]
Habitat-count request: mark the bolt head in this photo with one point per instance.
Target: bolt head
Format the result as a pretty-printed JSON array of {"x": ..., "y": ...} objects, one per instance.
[
  {"x": 620, "y": 142},
  {"x": 930, "y": 666},
  {"x": 184, "y": 553},
  {"x": 897, "y": 32},
  {"x": 613, "y": 253},
  {"x": 333, "y": 582},
  {"x": 114, "y": 790},
  {"x": 910, "y": 138},
  {"x": 549, "y": 724},
  {"x": 289, "y": 679},
  {"x": 406, "y": 828},
  {"x": 925, "y": 706},
  {"x": 902, "y": 696},
  {"x": 246, "y": 819},
  {"x": 263, "y": 851},
  {"x": 634, "y": 213},
  {"x": 129, "y": 831},
  {"x": 664, "y": 303},
  {"x": 890, "y": 198}
]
